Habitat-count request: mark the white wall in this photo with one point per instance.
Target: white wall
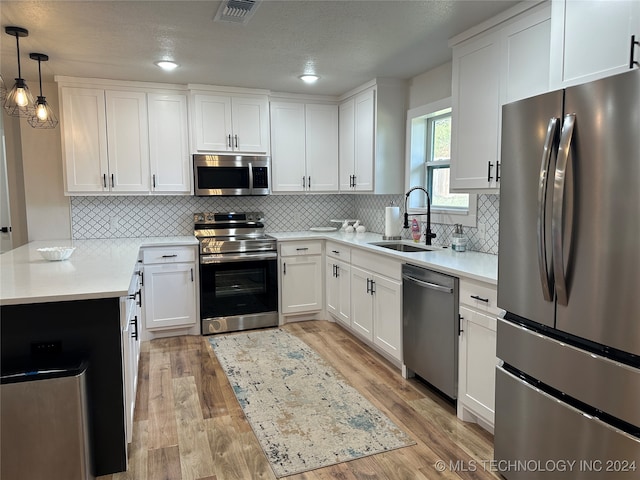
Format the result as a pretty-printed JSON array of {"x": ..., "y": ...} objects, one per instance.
[
  {"x": 430, "y": 86},
  {"x": 48, "y": 210}
]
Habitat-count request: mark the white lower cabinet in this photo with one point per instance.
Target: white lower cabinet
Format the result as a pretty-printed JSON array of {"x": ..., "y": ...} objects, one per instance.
[
  {"x": 338, "y": 290},
  {"x": 477, "y": 355},
  {"x": 170, "y": 288},
  {"x": 376, "y": 302},
  {"x": 130, "y": 314},
  {"x": 301, "y": 277}
]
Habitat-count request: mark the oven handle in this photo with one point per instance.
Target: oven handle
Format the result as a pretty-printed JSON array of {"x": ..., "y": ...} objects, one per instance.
[{"x": 240, "y": 257}]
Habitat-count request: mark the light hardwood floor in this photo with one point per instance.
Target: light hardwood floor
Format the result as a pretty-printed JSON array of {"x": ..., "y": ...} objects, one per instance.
[{"x": 188, "y": 424}]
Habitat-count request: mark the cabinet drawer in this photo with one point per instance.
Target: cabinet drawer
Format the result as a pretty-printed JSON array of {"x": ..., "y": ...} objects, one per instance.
[
  {"x": 480, "y": 296},
  {"x": 339, "y": 251},
  {"x": 291, "y": 249},
  {"x": 377, "y": 263},
  {"x": 180, "y": 254}
]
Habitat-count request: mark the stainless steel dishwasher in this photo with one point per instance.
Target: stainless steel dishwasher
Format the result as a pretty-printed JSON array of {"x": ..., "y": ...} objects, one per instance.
[{"x": 430, "y": 327}]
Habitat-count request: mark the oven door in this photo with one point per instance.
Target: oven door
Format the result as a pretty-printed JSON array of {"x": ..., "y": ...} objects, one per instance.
[{"x": 238, "y": 288}]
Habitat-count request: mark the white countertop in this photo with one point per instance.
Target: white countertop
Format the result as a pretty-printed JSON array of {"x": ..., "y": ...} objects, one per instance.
[
  {"x": 474, "y": 265},
  {"x": 97, "y": 269}
]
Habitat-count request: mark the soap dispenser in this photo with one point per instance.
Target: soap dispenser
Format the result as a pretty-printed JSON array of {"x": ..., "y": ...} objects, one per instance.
[{"x": 459, "y": 239}]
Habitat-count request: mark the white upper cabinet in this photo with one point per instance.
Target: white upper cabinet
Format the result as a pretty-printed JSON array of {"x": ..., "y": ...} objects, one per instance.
[
  {"x": 475, "y": 113},
  {"x": 492, "y": 67},
  {"x": 127, "y": 141},
  {"x": 372, "y": 138},
  {"x": 84, "y": 139},
  {"x": 231, "y": 123},
  {"x": 304, "y": 147},
  {"x": 169, "y": 143},
  {"x": 591, "y": 39},
  {"x": 124, "y": 137},
  {"x": 105, "y": 140}
]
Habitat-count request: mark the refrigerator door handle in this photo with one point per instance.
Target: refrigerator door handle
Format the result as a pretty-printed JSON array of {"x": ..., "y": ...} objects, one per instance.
[
  {"x": 557, "y": 219},
  {"x": 546, "y": 277}
]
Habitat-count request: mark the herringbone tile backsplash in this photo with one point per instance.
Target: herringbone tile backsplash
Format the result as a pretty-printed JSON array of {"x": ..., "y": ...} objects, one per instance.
[{"x": 148, "y": 216}]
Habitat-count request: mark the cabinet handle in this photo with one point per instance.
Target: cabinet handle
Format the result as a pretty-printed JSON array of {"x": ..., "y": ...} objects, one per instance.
[
  {"x": 236, "y": 137},
  {"x": 141, "y": 273},
  {"x": 497, "y": 171},
  {"x": 333, "y": 268},
  {"x": 337, "y": 271},
  {"x": 302, "y": 248},
  {"x": 192, "y": 274},
  {"x": 373, "y": 284},
  {"x": 309, "y": 182},
  {"x": 303, "y": 182},
  {"x": 335, "y": 251},
  {"x": 139, "y": 292},
  {"x": 170, "y": 256},
  {"x": 476, "y": 297},
  {"x": 368, "y": 288},
  {"x": 284, "y": 268},
  {"x": 632, "y": 60},
  {"x": 229, "y": 140},
  {"x": 134, "y": 322},
  {"x": 354, "y": 182},
  {"x": 460, "y": 330},
  {"x": 104, "y": 180},
  {"x": 113, "y": 182},
  {"x": 154, "y": 180},
  {"x": 489, "y": 167}
]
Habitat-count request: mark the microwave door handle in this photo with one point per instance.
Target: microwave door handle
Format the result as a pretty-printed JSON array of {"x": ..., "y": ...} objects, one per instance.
[
  {"x": 557, "y": 220},
  {"x": 250, "y": 178},
  {"x": 546, "y": 277}
]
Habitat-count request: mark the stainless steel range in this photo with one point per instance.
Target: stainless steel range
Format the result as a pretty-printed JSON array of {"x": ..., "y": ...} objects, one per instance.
[{"x": 238, "y": 272}]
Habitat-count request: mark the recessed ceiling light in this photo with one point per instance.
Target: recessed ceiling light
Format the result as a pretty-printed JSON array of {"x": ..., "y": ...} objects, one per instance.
[
  {"x": 309, "y": 78},
  {"x": 166, "y": 65}
]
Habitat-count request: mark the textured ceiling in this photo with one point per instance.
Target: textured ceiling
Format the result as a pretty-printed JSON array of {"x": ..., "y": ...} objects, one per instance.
[{"x": 346, "y": 42}]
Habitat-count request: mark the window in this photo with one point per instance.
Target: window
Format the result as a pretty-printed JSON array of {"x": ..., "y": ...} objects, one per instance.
[{"x": 429, "y": 148}]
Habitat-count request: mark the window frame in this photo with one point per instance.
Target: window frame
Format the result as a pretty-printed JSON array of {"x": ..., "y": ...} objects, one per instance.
[{"x": 416, "y": 171}]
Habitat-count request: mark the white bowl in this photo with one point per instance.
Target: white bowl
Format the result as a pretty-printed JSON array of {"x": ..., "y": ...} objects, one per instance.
[{"x": 56, "y": 253}]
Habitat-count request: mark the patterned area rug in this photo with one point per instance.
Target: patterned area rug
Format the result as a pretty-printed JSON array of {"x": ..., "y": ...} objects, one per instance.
[{"x": 303, "y": 412}]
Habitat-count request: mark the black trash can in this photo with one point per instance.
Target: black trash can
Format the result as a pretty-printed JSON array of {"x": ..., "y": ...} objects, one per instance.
[{"x": 44, "y": 424}]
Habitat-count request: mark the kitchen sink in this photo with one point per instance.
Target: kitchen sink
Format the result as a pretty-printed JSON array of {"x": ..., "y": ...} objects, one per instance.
[{"x": 402, "y": 247}]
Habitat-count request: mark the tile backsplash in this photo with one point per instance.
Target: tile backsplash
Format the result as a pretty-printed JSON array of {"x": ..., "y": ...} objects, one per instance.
[{"x": 136, "y": 216}]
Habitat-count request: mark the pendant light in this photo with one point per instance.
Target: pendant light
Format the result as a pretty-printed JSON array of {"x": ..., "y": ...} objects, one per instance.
[
  {"x": 19, "y": 102},
  {"x": 42, "y": 116}
]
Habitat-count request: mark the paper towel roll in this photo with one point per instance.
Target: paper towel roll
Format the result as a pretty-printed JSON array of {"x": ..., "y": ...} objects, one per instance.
[{"x": 391, "y": 221}]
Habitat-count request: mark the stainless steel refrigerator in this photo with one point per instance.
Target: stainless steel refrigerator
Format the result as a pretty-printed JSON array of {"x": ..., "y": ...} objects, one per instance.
[{"x": 568, "y": 380}]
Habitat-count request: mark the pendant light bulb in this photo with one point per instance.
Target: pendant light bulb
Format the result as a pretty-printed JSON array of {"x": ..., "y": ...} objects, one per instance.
[
  {"x": 41, "y": 112},
  {"x": 20, "y": 97}
]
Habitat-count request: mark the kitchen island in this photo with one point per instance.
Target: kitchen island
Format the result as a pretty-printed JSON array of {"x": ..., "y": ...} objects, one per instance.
[{"x": 72, "y": 309}]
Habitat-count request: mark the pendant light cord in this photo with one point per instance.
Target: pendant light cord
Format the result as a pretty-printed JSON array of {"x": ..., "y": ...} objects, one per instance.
[
  {"x": 40, "y": 76},
  {"x": 18, "y": 49}
]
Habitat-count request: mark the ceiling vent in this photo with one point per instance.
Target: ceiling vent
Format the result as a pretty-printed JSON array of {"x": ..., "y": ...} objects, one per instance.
[{"x": 236, "y": 11}]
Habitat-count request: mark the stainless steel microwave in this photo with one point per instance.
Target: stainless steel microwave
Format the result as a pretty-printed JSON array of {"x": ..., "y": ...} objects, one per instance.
[{"x": 228, "y": 175}]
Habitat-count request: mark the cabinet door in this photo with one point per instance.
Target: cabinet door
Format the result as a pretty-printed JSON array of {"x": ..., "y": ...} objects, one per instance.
[
  {"x": 477, "y": 363},
  {"x": 128, "y": 141},
  {"x": 591, "y": 39},
  {"x": 301, "y": 283},
  {"x": 212, "y": 123},
  {"x": 170, "y": 295},
  {"x": 84, "y": 134},
  {"x": 169, "y": 143},
  {"x": 364, "y": 140},
  {"x": 344, "y": 288},
  {"x": 321, "y": 134},
  {"x": 346, "y": 144},
  {"x": 250, "y": 124},
  {"x": 288, "y": 147},
  {"x": 475, "y": 113},
  {"x": 332, "y": 287},
  {"x": 387, "y": 315},
  {"x": 361, "y": 302},
  {"x": 525, "y": 56}
]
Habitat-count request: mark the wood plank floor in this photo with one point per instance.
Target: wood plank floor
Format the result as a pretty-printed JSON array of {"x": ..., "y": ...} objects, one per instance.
[{"x": 189, "y": 426}]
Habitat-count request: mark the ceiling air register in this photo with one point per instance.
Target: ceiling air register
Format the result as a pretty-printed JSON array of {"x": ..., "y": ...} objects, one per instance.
[{"x": 236, "y": 11}]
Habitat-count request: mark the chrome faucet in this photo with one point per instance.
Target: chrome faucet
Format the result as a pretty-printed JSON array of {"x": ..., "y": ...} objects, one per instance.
[{"x": 428, "y": 235}]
